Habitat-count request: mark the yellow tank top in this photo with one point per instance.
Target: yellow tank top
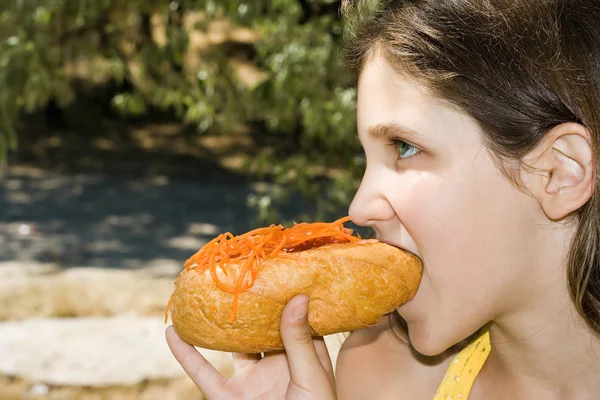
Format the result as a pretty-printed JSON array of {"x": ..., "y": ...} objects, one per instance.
[{"x": 463, "y": 369}]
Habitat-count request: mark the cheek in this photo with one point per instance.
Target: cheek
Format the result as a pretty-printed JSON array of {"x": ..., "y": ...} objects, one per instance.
[
  {"x": 444, "y": 223},
  {"x": 467, "y": 236},
  {"x": 471, "y": 232}
]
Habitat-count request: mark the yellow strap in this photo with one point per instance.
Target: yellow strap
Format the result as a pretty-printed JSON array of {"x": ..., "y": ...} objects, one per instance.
[{"x": 463, "y": 370}]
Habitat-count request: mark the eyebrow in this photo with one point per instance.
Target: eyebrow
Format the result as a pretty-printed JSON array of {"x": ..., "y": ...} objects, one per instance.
[{"x": 390, "y": 130}]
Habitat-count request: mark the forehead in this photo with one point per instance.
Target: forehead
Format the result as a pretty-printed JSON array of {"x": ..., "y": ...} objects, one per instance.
[{"x": 385, "y": 96}]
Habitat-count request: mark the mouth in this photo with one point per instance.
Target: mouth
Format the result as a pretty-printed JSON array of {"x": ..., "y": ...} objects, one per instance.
[{"x": 370, "y": 233}]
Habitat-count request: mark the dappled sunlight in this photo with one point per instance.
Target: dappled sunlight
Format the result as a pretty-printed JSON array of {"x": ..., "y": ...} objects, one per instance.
[{"x": 112, "y": 221}]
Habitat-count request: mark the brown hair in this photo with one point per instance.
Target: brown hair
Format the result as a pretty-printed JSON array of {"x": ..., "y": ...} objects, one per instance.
[{"x": 518, "y": 68}]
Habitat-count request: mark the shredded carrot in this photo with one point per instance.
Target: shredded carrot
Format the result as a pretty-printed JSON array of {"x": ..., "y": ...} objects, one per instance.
[{"x": 239, "y": 258}]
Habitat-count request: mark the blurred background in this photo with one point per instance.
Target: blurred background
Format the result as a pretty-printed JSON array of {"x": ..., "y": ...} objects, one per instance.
[{"x": 131, "y": 132}]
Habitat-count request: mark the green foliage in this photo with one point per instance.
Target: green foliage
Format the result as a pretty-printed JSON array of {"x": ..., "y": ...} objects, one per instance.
[{"x": 304, "y": 99}]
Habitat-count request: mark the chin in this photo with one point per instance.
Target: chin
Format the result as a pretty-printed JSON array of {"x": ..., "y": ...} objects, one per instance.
[{"x": 426, "y": 342}]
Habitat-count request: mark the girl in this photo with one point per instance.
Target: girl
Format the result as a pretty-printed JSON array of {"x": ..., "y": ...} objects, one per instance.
[{"x": 480, "y": 121}]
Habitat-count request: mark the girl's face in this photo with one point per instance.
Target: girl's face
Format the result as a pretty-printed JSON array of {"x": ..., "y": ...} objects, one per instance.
[{"x": 431, "y": 187}]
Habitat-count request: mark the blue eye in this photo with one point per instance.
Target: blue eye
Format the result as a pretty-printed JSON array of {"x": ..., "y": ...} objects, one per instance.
[{"x": 404, "y": 149}]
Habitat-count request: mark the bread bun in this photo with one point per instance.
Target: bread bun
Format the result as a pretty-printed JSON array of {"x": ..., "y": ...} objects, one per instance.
[{"x": 350, "y": 286}]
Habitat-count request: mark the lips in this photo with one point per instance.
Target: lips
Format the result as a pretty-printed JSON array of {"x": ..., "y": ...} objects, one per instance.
[{"x": 371, "y": 232}]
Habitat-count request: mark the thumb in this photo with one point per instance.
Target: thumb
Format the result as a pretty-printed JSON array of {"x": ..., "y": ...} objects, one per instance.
[{"x": 305, "y": 367}]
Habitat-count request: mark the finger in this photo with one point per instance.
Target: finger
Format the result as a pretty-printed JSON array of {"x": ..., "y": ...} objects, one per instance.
[
  {"x": 324, "y": 357},
  {"x": 305, "y": 366},
  {"x": 204, "y": 375},
  {"x": 241, "y": 361}
]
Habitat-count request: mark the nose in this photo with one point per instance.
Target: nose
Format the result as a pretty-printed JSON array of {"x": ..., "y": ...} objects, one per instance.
[{"x": 370, "y": 205}]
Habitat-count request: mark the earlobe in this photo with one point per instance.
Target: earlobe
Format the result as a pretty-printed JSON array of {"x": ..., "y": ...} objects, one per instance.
[{"x": 568, "y": 182}]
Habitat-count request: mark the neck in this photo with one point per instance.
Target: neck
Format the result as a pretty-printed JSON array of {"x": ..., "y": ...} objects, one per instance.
[
  {"x": 553, "y": 356},
  {"x": 541, "y": 346}
]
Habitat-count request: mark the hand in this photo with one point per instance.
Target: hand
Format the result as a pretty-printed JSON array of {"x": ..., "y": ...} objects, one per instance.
[{"x": 302, "y": 371}]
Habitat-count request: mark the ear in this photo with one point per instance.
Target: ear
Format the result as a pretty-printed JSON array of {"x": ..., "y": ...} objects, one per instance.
[{"x": 566, "y": 181}]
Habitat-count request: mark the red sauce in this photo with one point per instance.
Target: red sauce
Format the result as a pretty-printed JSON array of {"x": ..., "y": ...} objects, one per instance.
[{"x": 314, "y": 243}]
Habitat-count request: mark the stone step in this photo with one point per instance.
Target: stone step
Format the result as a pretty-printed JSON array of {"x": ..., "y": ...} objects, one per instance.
[
  {"x": 97, "y": 351},
  {"x": 91, "y": 351}
]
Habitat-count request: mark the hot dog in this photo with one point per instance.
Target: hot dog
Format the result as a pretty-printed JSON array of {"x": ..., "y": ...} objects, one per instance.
[{"x": 232, "y": 292}]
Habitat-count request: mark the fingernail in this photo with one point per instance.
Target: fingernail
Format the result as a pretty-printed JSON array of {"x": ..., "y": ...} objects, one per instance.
[{"x": 300, "y": 311}]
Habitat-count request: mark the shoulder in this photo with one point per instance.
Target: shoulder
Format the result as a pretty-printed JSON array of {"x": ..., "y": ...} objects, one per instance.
[{"x": 375, "y": 362}]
